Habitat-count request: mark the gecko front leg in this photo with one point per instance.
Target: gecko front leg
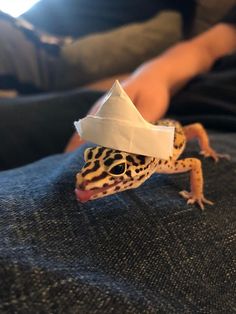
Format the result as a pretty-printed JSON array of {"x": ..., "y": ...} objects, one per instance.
[
  {"x": 196, "y": 130},
  {"x": 196, "y": 178}
]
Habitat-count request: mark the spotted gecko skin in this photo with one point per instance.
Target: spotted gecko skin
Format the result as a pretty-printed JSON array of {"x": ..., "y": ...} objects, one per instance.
[{"x": 108, "y": 171}]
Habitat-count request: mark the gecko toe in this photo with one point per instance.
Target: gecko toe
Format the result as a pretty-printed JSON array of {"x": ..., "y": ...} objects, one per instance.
[
  {"x": 192, "y": 199},
  {"x": 224, "y": 156},
  {"x": 207, "y": 201},
  {"x": 213, "y": 154},
  {"x": 200, "y": 203},
  {"x": 185, "y": 194}
]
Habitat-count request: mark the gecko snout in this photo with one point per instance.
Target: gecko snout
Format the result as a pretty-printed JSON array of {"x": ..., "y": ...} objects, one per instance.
[{"x": 82, "y": 185}]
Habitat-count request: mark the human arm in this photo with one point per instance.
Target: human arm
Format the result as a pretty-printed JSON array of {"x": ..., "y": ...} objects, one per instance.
[{"x": 153, "y": 83}]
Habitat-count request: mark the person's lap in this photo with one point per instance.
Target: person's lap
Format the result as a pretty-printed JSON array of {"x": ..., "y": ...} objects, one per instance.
[
  {"x": 37, "y": 126},
  {"x": 140, "y": 250},
  {"x": 30, "y": 60}
]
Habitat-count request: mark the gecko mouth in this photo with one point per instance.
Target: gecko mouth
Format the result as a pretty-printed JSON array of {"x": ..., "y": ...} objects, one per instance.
[{"x": 85, "y": 195}]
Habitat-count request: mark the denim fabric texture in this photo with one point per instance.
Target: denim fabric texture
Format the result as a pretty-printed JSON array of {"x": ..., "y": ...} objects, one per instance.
[
  {"x": 37, "y": 126},
  {"x": 140, "y": 251}
]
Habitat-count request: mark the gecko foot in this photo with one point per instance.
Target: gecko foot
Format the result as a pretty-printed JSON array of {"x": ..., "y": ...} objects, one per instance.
[
  {"x": 209, "y": 152},
  {"x": 191, "y": 199}
]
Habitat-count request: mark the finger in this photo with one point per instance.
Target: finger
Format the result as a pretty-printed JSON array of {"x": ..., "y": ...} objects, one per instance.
[{"x": 75, "y": 142}]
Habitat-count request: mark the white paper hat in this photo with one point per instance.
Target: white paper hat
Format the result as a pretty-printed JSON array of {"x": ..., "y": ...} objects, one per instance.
[{"x": 119, "y": 125}]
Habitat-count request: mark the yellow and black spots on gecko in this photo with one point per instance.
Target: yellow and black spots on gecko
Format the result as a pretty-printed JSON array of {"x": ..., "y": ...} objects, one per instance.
[
  {"x": 107, "y": 171},
  {"x": 179, "y": 136}
]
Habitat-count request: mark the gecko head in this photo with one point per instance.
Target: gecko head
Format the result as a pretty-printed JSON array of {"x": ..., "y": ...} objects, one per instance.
[{"x": 107, "y": 171}]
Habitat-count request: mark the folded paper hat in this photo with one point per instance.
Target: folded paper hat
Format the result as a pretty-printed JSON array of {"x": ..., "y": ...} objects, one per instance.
[{"x": 119, "y": 125}]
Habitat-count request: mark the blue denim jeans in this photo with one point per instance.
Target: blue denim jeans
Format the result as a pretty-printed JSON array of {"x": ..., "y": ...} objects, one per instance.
[
  {"x": 139, "y": 251},
  {"x": 37, "y": 126}
]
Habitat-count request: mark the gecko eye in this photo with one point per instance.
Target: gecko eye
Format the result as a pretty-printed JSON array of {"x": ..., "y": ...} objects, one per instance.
[
  {"x": 88, "y": 154},
  {"x": 118, "y": 169}
]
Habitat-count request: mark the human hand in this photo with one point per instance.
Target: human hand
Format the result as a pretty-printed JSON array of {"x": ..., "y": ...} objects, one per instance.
[
  {"x": 149, "y": 94},
  {"x": 76, "y": 141}
]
